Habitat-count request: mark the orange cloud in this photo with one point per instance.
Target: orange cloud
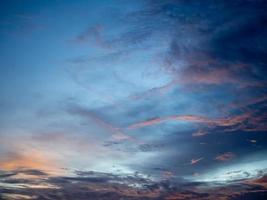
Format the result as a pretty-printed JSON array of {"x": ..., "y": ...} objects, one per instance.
[{"x": 33, "y": 159}]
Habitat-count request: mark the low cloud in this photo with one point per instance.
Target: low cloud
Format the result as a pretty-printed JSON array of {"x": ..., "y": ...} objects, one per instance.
[{"x": 94, "y": 185}]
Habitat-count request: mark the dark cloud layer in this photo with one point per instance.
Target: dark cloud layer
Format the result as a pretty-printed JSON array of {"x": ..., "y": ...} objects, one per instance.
[{"x": 94, "y": 185}]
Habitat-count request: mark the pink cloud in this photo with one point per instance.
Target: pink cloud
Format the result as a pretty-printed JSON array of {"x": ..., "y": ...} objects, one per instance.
[
  {"x": 225, "y": 157},
  {"x": 195, "y": 161},
  {"x": 199, "y": 133}
]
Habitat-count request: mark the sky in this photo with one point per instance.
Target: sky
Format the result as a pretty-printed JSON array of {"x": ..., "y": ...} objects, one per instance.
[{"x": 138, "y": 99}]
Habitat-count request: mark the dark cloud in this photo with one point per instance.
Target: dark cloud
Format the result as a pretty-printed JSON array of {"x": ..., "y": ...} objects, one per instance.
[
  {"x": 94, "y": 185},
  {"x": 33, "y": 172}
]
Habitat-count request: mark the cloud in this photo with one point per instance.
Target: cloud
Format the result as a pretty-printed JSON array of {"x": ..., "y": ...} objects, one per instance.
[
  {"x": 151, "y": 147},
  {"x": 31, "y": 159},
  {"x": 188, "y": 118},
  {"x": 262, "y": 181},
  {"x": 253, "y": 141},
  {"x": 225, "y": 157},
  {"x": 246, "y": 121},
  {"x": 94, "y": 185},
  {"x": 199, "y": 133},
  {"x": 195, "y": 161},
  {"x": 116, "y": 132},
  {"x": 92, "y": 32},
  {"x": 33, "y": 172}
]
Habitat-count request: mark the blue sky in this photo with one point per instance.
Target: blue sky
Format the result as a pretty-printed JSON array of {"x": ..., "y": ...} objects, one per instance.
[{"x": 158, "y": 90}]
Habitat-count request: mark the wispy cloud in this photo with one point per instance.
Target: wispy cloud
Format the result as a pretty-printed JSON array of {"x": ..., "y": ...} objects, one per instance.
[
  {"x": 226, "y": 156},
  {"x": 199, "y": 133},
  {"x": 195, "y": 161},
  {"x": 116, "y": 132}
]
